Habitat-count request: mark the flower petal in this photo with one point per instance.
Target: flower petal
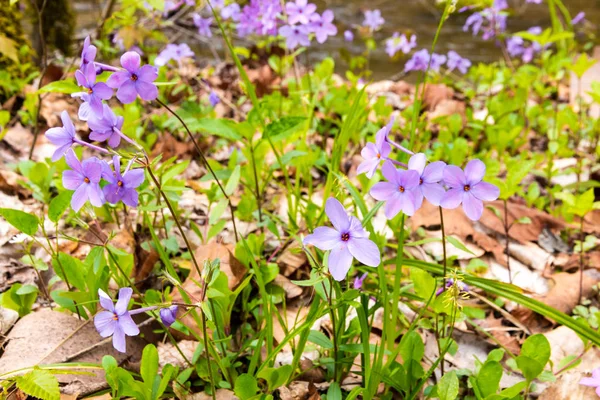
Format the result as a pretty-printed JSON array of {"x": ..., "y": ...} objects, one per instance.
[
  {"x": 369, "y": 151},
  {"x": 67, "y": 123},
  {"x": 417, "y": 163},
  {"x": 474, "y": 171},
  {"x": 79, "y": 198},
  {"x": 95, "y": 195},
  {"x": 472, "y": 206},
  {"x": 80, "y": 78},
  {"x": 130, "y": 197},
  {"x": 131, "y": 61},
  {"x": 485, "y": 191},
  {"x": 119, "y": 339},
  {"x": 127, "y": 92},
  {"x": 105, "y": 300},
  {"x": 433, "y": 192},
  {"x": 390, "y": 172},
  {"x": 434, "y": 172},
  {"x": 147, "y": 73},
  {"x": 591, "y": 382},
  {"x": 85, "y": 111},
  {"x": 128, "y": 326},
  {"x": 114, "y": 140},
  {"x": 339, "y": 261},
  {"x": 454, "y": 176},
  {"x": 58, "y": 136},
  {"x": 393, "y": 206},
  {"x": 92, "y": 169},
  {"x": 60, "y": 151},
  {"x": 408, "y": 179},
  {"x": 365, "y": 251},
  {"x": 368, "y": 167},
  {"x": 117, "y": 79},
  {"x": 102, "y": 90},
  {"x": 147, "y": 91},
  {"x": 73, "y": 161},
  {"x": 123, "y": 302},
  {"x": 383, "y": 191},
  {"x": 324, "y": 238},
  {"x": 105, "y": 323},
  {"x": 337, "y": 214},
  {"x": 452, "y": 198}
]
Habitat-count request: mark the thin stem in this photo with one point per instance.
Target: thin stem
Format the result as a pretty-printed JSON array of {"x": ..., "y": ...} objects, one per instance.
[
  {"x": 91, "y": 146},
  {"x": 581, "y": 239},
  {"x": 506, "y": 229},
  {"x": 210, "y": 375},
  {"x": 399, "y": 147},
  {"x": 336, "y": 349},
  {"x": 205, "y": 161},
  {"x": 396, "y": 292},
  {"x": 256, "y": 184},
  {"x": 401, "y": 164},
  {"x": 443, "y": 244},
  {"x": 127, "y": 138}
]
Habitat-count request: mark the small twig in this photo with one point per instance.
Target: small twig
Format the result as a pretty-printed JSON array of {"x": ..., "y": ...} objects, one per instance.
[
  {"x": 506, "y": 229},
  {"x": 581, "y": 261}
]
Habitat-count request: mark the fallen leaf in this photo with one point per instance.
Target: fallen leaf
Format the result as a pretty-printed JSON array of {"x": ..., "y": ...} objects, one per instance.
[
  {"x": 291, "y": 290},
  {"x": 435, "y": 94}
]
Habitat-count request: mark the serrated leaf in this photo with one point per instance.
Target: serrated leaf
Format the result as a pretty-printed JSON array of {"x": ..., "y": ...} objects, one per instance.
[
  {"x": 39, "y": 383},
  {"x": 23, "y": 221},
  {"x": 67, "y": 86},
  {"x": 59, "y": 205}
]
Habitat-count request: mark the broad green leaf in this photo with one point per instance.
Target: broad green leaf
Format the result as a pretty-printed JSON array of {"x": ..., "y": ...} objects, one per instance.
[
  {"x": 458, "y": 244},
  {"x": 67, "y": 86},
  {"x": 245, "y": 386},
  {"x": 529, "y": 367},
  {"x": 70, "y": 269},
  {"x": 23, "y": 221},
  {"x": 275, "y": 377},
  {"x": 19, "y": 298},
  {"x": 488, "y": 378},
  {"x": 149, "y": 367},
  {"x": 39, "y": 383},
  {"x": 447, "y": 388},
  {"x": 424, "y": 283},
  {"x": 582, "y": 64},
  {"x": 59, "y": 205},
  {"x": 319, "y": 338},
  {"x": 220, "y": 127},
  {"x": 283, "y": 128},
  {"x": 233, "y": 181},
  {"x": 8, "y": 47},
  {"x": 334, "y": 392},
  {"x": 412, "y": 347},
  {"x": 537, "y": 348}
]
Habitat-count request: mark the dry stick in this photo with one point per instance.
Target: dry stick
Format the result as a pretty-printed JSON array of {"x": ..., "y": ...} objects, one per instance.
[
  {"x": 205, "y": 161},
  {"x": 581, "y": 238},
  {"x": 107, "y": 11},
  {"x": 506, "y": 228},
  {"x": 36, "y": 130}
]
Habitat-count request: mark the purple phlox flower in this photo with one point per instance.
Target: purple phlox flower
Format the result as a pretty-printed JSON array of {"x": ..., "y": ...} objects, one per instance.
[
  {"x": 134, "y": 79},
  {"x": 466, "y": 8},
  {"x": 231, "y": 11},
  {"x": 461, "y": 285},
  {"x": 374, "y": 153},
  {"x": 94, "y": 92},
  {"x": 491, "y": 21},
  {"x": 84, "y": 179},
  {"x": 122, "y": 187},
  {"x": 168, "y": 315},
  {"x": 348, "y": 36},
  {"x": 359, "y": 280},
  {"x": 399, "y": 192},
  {"x": 295, "y": 35},
  {"x": 203, "y": 25},
  {"x": 578, "y": 18},
  {"x": 217, "y": 4},
  {"x": 300, "y": 12},
  {"x": 467, "y": 187},
  {"x": 430, "y": 176},
  {"x": 213, "y": 98},
  {"x": 63, "y": 137},
  {"x": 418, "y": 62},
  {"x": 373, "y": 19},
  {"x": 400, "y": 43},
  {"x": 474, "y": 23},
  {"x": 534, "y": 1},
  {"x": 455, "y": 61},
  {"x": 437, "y": 60},
  {"x": 322, "y": 27},
  {"x": 346, "y": 240},
  {"x": 106, "y": 126},
  {"x": 259, "y": 17},
  {"x": 175, "y": 52},
  {"x": 116, "y": 320},
  {"x": 88, "y": 54},
  {"x": 594, "y": 381},
  {"x": 500, "y": 5},
  {"x": 516, "y": 46}
]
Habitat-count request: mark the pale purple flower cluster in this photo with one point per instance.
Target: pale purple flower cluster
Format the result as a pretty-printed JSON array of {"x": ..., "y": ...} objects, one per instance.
[
  {"x": 176, "y": 52},
  {"x": 84, "y": 177},
  {"x": 303, "y": 22},
  {"x": 401, "y": 43},
  {"x": 406, "y": 187},
  {"x": 422, "y": 61},
  {"x": 516, "y": 46},
  {"x": 373, "y": 19},
  {"x": 490, "y": 21},
  {"x": 116, "y": 319}
]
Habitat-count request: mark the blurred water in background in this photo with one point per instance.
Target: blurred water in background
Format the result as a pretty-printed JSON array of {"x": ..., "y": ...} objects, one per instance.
[{"x": 415, "y": 16}]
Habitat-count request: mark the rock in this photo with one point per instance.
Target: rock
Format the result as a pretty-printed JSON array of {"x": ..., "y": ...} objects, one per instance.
[
  {"x": 168, "y": 353},
  {"x": 221, "y": 394},
  {"x": 8, "y": 318}
]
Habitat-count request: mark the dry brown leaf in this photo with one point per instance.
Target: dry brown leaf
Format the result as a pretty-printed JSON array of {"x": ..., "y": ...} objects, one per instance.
[
  {"x": 564, "y": 295},
  {"x": 291, "y": 290},
  {"x": 567, "y": 385},
  {"x": 494, "y": 327},
  {"x": 290, "y": 260},
  {"x": 220, "y": 394},
  {"x": 9, "y": 184},
  {"x": 435, "y": 94},
  {"x": 294, "y": 391}
]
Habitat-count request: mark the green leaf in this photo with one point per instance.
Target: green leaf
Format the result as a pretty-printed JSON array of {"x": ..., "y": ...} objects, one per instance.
[
  {"x": 447, "y": 388},
  {"x": 275, "y": 377},
  {"x": 529, "y": 367},
  {"x": 8, "y": 47},
  {"x": 412, "y": 347},
  {"x": 535, "y": 353},
  {"x": 158, "y": 5},
  {"x": 67, "y": 86},
  {"x": 458, "y": 244},
  {"x": 334, "y": 392},
  {"x": 39, "y": 383},
  {"x": 149, "y": 367},
  {"x": 221, "y": 127},
  {"x": 19, "y": 298},
  {"x": 488, "y": 378},
  {"x": 245, "y": 386},
  {"x": 233, "y": 181},
  {"x": 23, "y": 221},
  {"x": 69, "y": 269},
  {"x": 59, "y": 205},
  {"x": 424, "y": 283},
  {"x": 319, "y": 338},
  {"x": 283, "y": 128}
]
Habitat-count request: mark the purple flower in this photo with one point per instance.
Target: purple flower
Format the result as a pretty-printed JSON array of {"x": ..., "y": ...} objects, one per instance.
[
  {"x": 168, "y": 315},
  {"x": 373, "y": 19},
  {"x": 359, "y": 280},
  {"x": 322, "y": 27},
  {"x": 107, "y": 126},
  {"x": 348, "y": 36},
  {"x": 295, "y": 35},
  {"x": 63, "y": 137},
  {"x": 300, "y": 12},
  {"x": 430, "y": 176},
  {"x": 116, "y": 321},
  {"x": 418, "y": 62},
  {"x": 88, "y": 54},
  {"x": 374, "y": 153},
  {"x": 400, "y": 43},
  {"x": 259, "y": 17},
  {"x": 346, "y": 240},
  {"x": 232, "y": 11},
  {"x": 134, "y": 80},
  {"x": 84, "y": 179},
  {"x": 491, "y": 21},
  {"x": 457, "y": 62},
  {"x": 213, "y": 98},
  {"x": 122, "y": 187},
  {"x": 468, "y": 188},
  {"x": 203, "y": 25},
  {"x": 594, "y": 381},
  {"x": 578, "y": 18},
  {"x": 534, "y": 1},
  {"x": 515, "y": 45},
  {"x": 95, "y": 92},
  {"x": 175, "y": 52},
  {"x": 500, "y": 5},
  {"x": 399, "y": 192},
  {"x": 437, "y": 60}
]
